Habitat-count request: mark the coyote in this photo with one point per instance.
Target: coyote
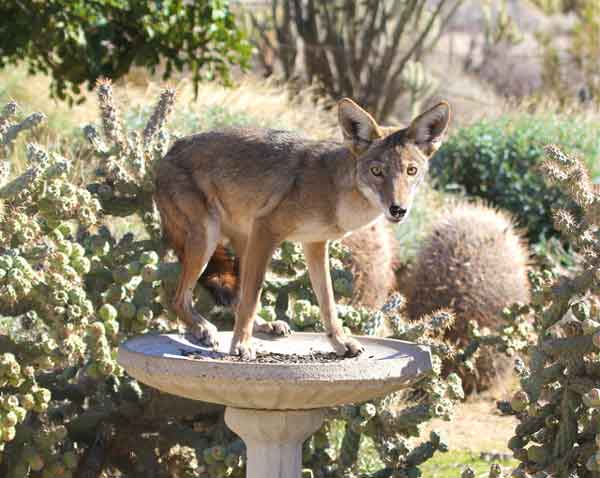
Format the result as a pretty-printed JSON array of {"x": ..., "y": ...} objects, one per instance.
[{"x": 255, "y": 188}]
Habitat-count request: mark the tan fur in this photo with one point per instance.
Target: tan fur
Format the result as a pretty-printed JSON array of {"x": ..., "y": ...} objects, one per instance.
[{"x": 256, "y": 188}]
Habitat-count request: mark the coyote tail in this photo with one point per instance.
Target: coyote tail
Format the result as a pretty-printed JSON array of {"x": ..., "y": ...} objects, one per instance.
[{"x": 222, "y": 276}]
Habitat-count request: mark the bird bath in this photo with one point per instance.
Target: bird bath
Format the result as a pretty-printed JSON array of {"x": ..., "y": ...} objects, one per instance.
[{"x": 273, "y": 407}]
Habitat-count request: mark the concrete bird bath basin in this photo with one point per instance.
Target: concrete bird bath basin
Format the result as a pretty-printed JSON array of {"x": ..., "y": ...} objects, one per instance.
[{"x": 273, "y": 407}]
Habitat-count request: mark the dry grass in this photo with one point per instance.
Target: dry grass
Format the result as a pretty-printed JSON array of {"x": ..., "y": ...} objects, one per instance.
[
  {"x": 264, "y": 102},
  {"x": 31, "y": 92},
  {"x": 261, "y": 100},
  {"x": 550, "y": 106}
]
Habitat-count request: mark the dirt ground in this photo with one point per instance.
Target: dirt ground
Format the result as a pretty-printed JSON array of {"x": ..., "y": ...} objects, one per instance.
[{"x": 478, "y": 426}]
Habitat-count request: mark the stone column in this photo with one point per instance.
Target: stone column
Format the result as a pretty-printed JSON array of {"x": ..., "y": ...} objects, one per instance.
[{"x": 274, "y": 439}]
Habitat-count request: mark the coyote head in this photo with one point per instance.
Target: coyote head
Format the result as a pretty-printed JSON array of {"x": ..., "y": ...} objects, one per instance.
[{"x": 392, "y": 162}]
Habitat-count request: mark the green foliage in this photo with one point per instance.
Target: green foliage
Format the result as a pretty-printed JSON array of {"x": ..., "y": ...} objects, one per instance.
[
  {"x": 447, "y": 465},
  {"x": 498, "y": 160},
  {"x": 552, "y": 254},
  {"x": 73, "y": 290},
  {"x": 80, "y": 41},
  {"x": 558, "y": 405}
]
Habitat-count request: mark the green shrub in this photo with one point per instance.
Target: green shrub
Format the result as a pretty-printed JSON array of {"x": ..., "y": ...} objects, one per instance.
[
  {"x": 80, "y": 41},
  {"x": 498, "y": 160}
]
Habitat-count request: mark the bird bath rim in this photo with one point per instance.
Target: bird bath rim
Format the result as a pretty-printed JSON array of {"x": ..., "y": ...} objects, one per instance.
[
  {"x": 157, "y": 360},
  {"x": 361, "y": 359}
]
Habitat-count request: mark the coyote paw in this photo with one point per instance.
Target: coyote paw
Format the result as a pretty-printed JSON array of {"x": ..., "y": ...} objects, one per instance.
[
  {"x": 345, "y": 346},
  {"x": 205, "y": 334},
  {"x": 277, "y": 327},
  {"x": 244, "y": 349}
]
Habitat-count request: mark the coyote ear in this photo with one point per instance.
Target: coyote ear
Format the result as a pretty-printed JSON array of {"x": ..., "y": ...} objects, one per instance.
[
  {"x": 358, "y": 127},
  {"x": 428, "y": 129}
]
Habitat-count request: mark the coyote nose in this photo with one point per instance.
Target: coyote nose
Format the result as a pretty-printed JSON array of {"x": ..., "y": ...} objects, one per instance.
[{"x": 397, "y": 211}]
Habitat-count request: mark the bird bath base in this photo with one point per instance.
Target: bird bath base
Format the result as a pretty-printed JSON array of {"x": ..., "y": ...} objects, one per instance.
[
  {"x": 274, "y": 438},
  {"x": 274, "y": 407}
]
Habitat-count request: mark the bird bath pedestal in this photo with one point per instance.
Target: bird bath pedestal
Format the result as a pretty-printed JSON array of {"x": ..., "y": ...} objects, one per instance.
[{"x": 273, "y": 407}]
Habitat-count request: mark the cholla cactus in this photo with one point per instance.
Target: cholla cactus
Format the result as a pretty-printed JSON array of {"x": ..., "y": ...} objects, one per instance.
[
  {"x": 11, "y": 128},
  {"x": 127, "y": 159},
  {"x": 419, "y": 84},
  {"x": 500, "y": 27},
  {"x": 73, "y": 291},
  {"x": 558, "y": 404},
  {"x": 392, "y": 421}
]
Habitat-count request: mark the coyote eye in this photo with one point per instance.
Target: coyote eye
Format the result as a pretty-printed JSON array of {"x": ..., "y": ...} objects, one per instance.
[
  {"x": 376, "y": 171},
  {"x": 411, "y": 171}
]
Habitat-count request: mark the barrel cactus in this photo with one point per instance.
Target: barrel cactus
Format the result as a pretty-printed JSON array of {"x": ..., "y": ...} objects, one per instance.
[
  {"x": 372, "y": 263},
  {"x": 475, "y": 262},
  {"x": 82, "y": 268},
  {"x": 419, "y": 83}
]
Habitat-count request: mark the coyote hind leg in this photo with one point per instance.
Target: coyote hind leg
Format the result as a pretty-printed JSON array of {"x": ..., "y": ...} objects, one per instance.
[
  {"x": 259, "y": 248},
  {"x": 199, "y": 246}
]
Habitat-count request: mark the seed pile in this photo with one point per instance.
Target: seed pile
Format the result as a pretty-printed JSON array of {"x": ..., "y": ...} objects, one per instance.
[{"x": 269, "y": 357}]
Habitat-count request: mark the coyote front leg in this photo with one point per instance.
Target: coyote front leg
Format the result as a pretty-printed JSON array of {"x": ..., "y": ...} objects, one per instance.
[
  {"x": 259, "y": 249},
  {"x": 277, "y": 327},
  {"x": 317, "y": 260},
  {"x": 200, "y": 244}
]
